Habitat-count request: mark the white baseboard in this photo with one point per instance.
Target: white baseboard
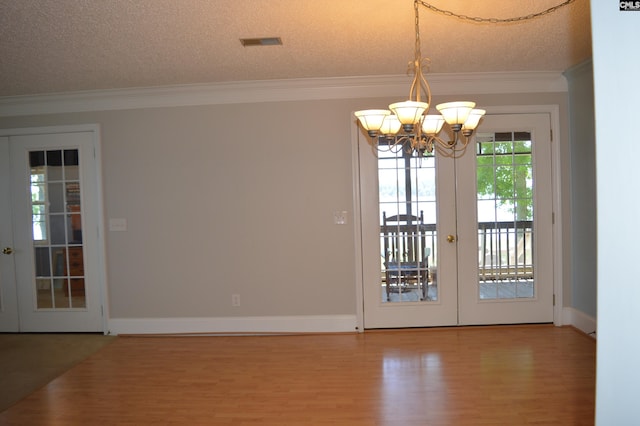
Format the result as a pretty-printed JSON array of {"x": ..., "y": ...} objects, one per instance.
[
  {"x": 579, "y": 320},
  {"x": 281, "y": 324},
  {"x": 230, "y": 325}
]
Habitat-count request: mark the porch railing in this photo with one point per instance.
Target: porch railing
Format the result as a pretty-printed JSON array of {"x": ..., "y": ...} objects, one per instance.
[{"x": 505, "y": 249}]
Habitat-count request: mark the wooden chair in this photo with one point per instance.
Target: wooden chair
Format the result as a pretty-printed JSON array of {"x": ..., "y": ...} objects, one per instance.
[{"x": 406, "y": 255}]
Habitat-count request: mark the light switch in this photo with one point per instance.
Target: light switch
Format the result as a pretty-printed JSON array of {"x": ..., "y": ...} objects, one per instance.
[
  {"x": 117, "y": 225},
  {"x": 340, "y": 217}
]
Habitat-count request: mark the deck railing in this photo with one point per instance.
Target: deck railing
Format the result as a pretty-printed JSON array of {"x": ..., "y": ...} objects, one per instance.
[{"x": 505, "y": 249}]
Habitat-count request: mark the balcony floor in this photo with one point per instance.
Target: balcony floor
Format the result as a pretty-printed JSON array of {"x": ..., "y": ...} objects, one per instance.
[{"x": 499, "y": 289}]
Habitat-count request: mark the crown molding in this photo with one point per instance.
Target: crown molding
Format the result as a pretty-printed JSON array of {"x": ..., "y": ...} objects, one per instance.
[
  {"x": 582, "y": 68},
  {"x": 279, "y": 91}
]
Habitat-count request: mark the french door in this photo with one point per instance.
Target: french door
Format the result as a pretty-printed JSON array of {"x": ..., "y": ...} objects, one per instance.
[
  {"x": 49, "y": 210},
  {"x": 470, "y": 237}
]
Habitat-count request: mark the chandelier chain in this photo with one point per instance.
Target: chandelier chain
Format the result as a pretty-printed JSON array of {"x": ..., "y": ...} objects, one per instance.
[{"x": 495, "y": 20}]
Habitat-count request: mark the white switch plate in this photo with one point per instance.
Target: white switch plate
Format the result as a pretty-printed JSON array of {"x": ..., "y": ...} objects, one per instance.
[
  {"x": 340, "y": 217},
  {"x": 117, "y": 225}
]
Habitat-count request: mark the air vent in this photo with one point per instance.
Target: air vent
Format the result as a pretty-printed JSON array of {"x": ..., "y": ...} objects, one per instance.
[{"x": 264, "y": 41}]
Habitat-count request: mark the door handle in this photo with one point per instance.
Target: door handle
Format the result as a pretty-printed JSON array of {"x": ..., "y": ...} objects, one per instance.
[
  {"x": 7, "y": 250},
  {"x": 451, "y": 238}
]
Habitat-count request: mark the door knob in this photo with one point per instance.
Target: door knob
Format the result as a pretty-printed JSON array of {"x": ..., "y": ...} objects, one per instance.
[
  {"x": 7, "y": 250},
  {"x": 451, "y": 238}
]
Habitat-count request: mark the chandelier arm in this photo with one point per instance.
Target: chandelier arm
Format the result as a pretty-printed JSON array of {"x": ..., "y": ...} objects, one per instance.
[
  {"x": 374, "y": 148},
  {"x": 398, "y": 141},
  {"x": 452, "y": 145},
  {"x": 442, "y": 152},
  {"x": 462, "y": 147},
  {"x": 426, "y": 87},
  {"x": 414, "y": 90},
  {"x": 448, "y": 151},
  {"x": 443, "y": 143}
]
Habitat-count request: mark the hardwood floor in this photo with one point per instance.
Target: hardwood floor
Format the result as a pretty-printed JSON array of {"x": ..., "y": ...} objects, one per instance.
[{"x": 511, "y": 375}]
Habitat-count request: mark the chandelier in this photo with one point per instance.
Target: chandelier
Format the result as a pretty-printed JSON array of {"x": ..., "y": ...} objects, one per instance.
[{"x": 409, "y": 125}]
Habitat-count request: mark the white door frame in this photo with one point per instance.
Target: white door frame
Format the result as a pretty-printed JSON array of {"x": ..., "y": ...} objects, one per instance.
[
  {"x": 554, "y": 113},
  {"x": 100, "y": 246}
]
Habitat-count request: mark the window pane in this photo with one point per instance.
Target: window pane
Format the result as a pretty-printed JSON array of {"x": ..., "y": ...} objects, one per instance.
[
  {"x": 54, "y": 165},
  {"x": 38, "y": 193},
  {"x": 36, "y": 159},
  {"x": 71, "y": 158},
  {"x": 57, "y": 229},
  {"x": 56, "y": 198},
  {"x": 73, "y": 196},
  {"x": 71, "y": 165},
  {"x": 43, "y": 267},
  {"x": 59, "y": 257}
]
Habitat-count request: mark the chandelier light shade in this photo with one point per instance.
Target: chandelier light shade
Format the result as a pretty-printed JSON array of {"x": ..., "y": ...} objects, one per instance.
[
  {"x": 409, "y": 125},
  {"x": 371, "y": 119},
  {"x": 409, "y": 113},
  {"x": 472, "y": 121},
  {"x": 390, "y": 125},
  {"x": 455, "y": 113},
  {"x": 432, "y": 124}
]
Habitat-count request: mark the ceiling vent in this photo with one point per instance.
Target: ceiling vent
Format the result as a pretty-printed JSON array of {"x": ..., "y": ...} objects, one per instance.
[{"x": 264, "y": 41}]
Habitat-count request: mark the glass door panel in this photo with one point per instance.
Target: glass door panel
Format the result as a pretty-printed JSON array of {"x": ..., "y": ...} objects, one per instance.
[
  {"x": 407, "y": 197},
  {"x": 504, "y": 171},
  {"x": 57, "y": 229}
]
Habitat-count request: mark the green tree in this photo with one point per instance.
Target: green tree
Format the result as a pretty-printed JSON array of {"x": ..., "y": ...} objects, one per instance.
[{"x": 504, "y": 173}]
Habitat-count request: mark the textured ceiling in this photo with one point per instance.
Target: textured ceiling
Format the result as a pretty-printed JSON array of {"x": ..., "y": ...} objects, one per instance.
[{"x": 69, "y": 45}]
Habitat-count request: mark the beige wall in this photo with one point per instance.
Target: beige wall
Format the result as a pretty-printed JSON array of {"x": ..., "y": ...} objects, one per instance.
[{"x": 238, "y": 198}]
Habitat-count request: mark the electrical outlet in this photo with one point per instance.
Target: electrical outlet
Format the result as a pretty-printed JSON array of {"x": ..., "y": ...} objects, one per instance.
[{"x": 235, "y": 300}]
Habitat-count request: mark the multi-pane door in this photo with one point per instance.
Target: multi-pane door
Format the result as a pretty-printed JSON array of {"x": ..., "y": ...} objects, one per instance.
[
  {"x": 468, "y": 245},
  {"x": 57, "y": 228},
  {"x": 51, "y": 277}
]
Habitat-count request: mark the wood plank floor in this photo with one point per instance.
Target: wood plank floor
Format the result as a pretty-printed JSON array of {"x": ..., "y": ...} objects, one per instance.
[{"x": 513, "y": 375}]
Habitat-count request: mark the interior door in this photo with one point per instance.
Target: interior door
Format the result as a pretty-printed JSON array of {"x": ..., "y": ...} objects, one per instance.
[
  {"x": 486, "y": 264},
  {"x": 8, "y": 298},
  {"x": 52, "y": 281}
]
